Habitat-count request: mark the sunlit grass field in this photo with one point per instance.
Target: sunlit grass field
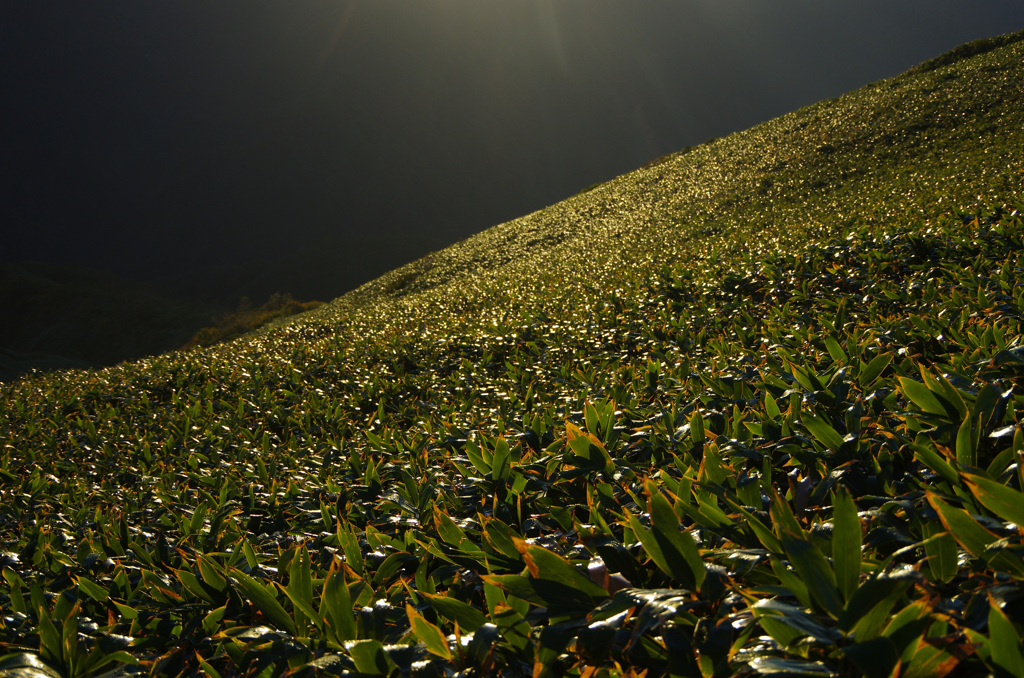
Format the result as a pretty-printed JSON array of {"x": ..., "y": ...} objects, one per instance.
[{"x": 752, "y": 409}]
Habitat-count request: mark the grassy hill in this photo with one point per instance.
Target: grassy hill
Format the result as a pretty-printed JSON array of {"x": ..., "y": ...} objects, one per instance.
[{"x": 752, "y": 409}]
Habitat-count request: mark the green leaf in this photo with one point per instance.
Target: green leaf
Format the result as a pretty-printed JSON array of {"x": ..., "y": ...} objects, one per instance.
[
  {"x": 907, "y": 627},
  {"x": 265, "y": 602},
  {"x": 919, "y": 394},
  {"x": 835, "y": 350},
  {"x": 475, "y": 455},
  {"x": 806, "y": 378},
  {"x": 468, "y": 617},
  {"x": 300, "y": 590},
  {"x": 192, "y": 584},
  {"x": 763, "y": 534},
  {"x": 769, "y": 666},
  {"x": 822, "y": 431},
  {"x": 336, "y": 605},
  {"x": 677, "y": 546},
  {"x": 447, "y": 529},
  {"x": 17, "y": 600},
  {"x": 547, "y": 565},
  {"x": 966, "y": 452},
  {"x": 965, "y": 529},
  {"x": 928, "y": 456},
  {"x": 126, "y": 611},
  {"x": 500, "y": 461},
  {"x": 974, "y": 538},
  {"x": 553, "y": 582},
  {"x": 1005, "y": 641},
  {"x": 942, "y": 554},
  {"x": 588, "y": 447},
  {"x": 592, "y": 418},
  {"x": 798, "y": 620},
  {"x": 370, "y": 658},
  {"x": 205, "y": 665},
  {"x": 868, "y": 608},
  {"x": 782, "y": 516},
  {"x": 92, "y": 589},
  {"x": 1005, "y": 502},
  {"x": 211, "y": 621},
  {"x": 846, "y": 543},
  {"x": 198, "y": 518},
  {"x": 812, "y": 566},
  {"x": 697, "y": 434},
  {"x": 870, "y": 372},
  {"x": 428, "y": 634},
  {"x": 50, "y": 646},
  {"x": 929, "y": 661},
  {"x": 209, "y": 573}
]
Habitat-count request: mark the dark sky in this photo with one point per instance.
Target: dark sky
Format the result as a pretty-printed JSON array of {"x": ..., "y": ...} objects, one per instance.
[{"x": 322, "y": 141}]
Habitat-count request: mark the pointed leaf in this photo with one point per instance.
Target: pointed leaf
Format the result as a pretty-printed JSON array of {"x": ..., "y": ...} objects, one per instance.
[
  {"x": 1005, "y": 502},
  {"x": 1005, "y": 641},
  {"x": 264, "y": 601},
  {"x": 822, "y": 431},
  {"x": 846, "y": 543},
  {"x": 677, "y": 546},
  {"x": 813, "y": 568},
  {"x": 870, "y": 372},
  {"x": 468, "y": 617},
  {"x": 337, "y": 604},
  {"x": 428, "y": 634}
]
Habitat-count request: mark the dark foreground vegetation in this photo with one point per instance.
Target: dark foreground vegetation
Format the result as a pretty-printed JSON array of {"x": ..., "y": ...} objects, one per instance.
[{"x": 751, "y": 410}]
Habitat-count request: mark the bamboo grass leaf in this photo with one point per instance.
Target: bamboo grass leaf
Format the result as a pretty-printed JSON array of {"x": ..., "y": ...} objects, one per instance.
[
  {"x": 209, "y": 572},
  {"x": 468, "y": 617},
  {"x": 812, "y": 566},
  {"x": 822, "y": 431},
  {"x": 553, "y": 582},
  {"x": 336, "y": 605},
  {"x": 870, "y": 371},
  {"x": 835, "y": 350},
  {"x": 875, "y": 658},
  {"x": 300, "y": 590},
  {"x": 1005, "y": 502},
  {"x": 50, "y": 645},
  {"x": 846, "y": 543},
  {"x": 677, "y": 546},
  {"x": 941, "y": 551},
  {"x": 1005, "y": 641},
  {"x": 870, "y": 605},
  {"x": 266, "y": 602},
  {"x": 966, "y": 530},
  {"x": 966, "y": 450},
  {"x": 796, "y": 619},
  {"x": 928, "y": 456},
  {"x": 370, "y": 658},
  {"x": 92, "y": 589},
  {"x": 920, "y": 395},
  {"x": 428, "y": 634},
  {"x": 207, "y": 668}
]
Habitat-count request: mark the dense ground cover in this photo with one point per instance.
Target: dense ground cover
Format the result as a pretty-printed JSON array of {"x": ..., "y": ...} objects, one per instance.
[{"x": 753, "y": 409}]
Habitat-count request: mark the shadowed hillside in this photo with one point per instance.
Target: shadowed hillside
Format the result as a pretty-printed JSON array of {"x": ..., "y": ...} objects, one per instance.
[
  {"x": 753, "y": 409},
  {"x": 64, "y": 316}
]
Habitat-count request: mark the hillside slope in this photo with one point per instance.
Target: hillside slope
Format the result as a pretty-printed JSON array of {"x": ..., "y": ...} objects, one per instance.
[{"x": 753, "y": 409}]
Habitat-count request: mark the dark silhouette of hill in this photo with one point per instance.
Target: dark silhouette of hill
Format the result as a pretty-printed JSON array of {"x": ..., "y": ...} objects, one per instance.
[{"x": 69, "y": 316}]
